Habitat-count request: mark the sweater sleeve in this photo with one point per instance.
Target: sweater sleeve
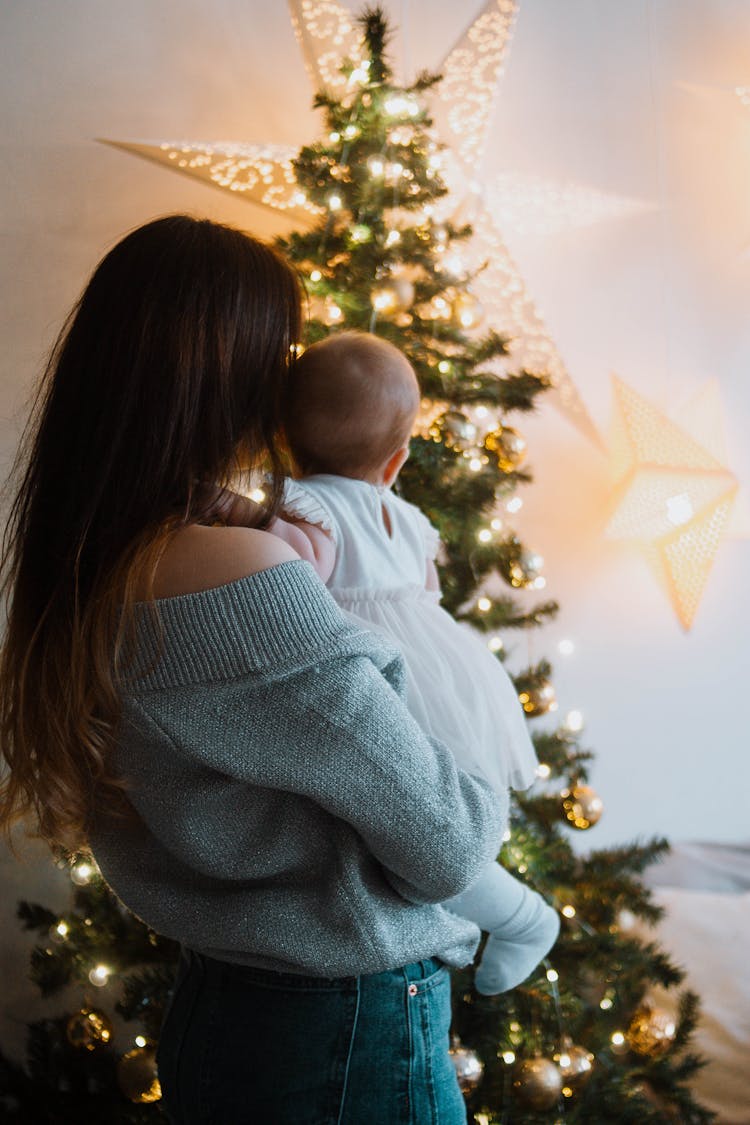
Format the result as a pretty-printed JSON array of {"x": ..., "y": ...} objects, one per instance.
[
  {"x": 342, "y": 737},
  {"x": 431, "y": 825}
]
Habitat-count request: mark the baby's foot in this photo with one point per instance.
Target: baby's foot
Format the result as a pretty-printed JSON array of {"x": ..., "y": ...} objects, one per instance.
[{"x": 512, "y": 952}]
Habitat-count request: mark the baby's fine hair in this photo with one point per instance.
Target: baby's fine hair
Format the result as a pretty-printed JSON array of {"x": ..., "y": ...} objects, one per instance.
[{"x": 351, "y": 406}]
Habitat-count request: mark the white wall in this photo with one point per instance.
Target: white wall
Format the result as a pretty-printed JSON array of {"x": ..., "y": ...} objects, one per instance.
[{"x": 632, "y": 99}]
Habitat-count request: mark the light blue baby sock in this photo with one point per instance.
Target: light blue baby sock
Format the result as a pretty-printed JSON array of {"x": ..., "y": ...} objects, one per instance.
[{"x": 522, "y": 928}]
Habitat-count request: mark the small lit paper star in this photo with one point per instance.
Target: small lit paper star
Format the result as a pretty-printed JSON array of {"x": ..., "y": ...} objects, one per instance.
[{"x": 674, "y": 496}]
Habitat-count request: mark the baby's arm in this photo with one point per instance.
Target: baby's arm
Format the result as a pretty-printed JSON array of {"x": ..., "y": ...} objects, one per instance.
[{"x": 310, "y": 542}]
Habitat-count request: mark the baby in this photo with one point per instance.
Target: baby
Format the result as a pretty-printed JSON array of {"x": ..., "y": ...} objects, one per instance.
[{"x": 351, "y": 410}]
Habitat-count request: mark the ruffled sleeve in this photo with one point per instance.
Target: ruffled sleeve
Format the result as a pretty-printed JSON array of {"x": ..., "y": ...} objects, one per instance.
[
  {"x": 428, "y": 532},
  {"x": 300, "y": 503}
]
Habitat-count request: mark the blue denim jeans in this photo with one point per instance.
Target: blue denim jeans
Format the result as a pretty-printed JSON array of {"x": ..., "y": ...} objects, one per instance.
[{"x": 244, "y": 1046}]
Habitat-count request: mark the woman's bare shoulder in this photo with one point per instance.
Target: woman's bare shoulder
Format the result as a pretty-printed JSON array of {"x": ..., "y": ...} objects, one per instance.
[{"x": 199, "y": 558}]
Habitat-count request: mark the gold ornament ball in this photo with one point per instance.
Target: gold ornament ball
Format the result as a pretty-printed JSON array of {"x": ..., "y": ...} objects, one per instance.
[
  {"x": 456, "y": 430},
  {"x": 537, "y": 1082},
  {"x": 467, "y": 310},
  {"x": 88, "y": 1029},
  {"x": 582, "y": 806},
  {"x": 576, "y": 1064},
  {"x": 468, "y": 1066},
  {"x": 538, "y": 699},
  {"x": 137, "y": 1075},
  {"x": 651, "y": 1032},
  {"x": 508, "y": 447}
]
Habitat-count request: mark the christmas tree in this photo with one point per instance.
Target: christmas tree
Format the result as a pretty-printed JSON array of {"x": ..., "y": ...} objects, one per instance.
[{"x": 582, "y": 1039}]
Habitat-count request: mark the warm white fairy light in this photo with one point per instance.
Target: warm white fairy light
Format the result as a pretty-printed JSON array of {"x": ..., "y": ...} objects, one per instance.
[
  {"x": 496, "y": 524},
  {"x": 485, "y": 535},
  {"x": 484, "y": 605},
  {"x": 82, "y": 873},
  {"x": 552, "y": 975},
  {"x": 543, "y": 771},
  {"x": 334, "y": 138},
  {"x": 509, "y": 1057},
  {"x": 334, "y": 202},
  {"x": 617, "y": 1038},
  {"x": 350, "y": 132},
  {"x": 445, "y": 367},
  {"x": 606, "y": 1003},
  {"x": 140, "y": 1041},
  {"x": 257, "y": 495},
  {"x": 566, "y": 648},
  {"x": 62, "y": 928},
  {"x": 376, "y": 166},
  {"x": 316, "y": 275},
  {"x": 573, "y": 721},
  {"x": 514, "y": 505},
  {"x": 568, "y": 911},
  {"x": 333, "y": 312},
  {"x": 393, "y": 237},
  {"x": 475, "y": 464},
  {"x": 495, "y": 644},
  {"x": 626, "y": 920},
  {"x": 99, "y": 975}
]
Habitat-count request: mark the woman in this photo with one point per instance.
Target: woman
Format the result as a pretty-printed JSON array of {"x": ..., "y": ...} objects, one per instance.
[{"x": 187, "y": 699}]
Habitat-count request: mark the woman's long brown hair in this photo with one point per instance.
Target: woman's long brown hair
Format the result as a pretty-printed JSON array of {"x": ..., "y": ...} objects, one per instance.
[{"x": 169, "y": 372}]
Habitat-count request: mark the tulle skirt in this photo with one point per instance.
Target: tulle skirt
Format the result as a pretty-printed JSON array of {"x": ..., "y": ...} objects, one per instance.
[{"x": 457, "y": 690}]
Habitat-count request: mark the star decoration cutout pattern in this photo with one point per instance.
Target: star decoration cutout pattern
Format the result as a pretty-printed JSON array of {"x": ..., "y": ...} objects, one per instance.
[
  {"x": 674, "y": 494},
  {"x": 462, "y": 106}
]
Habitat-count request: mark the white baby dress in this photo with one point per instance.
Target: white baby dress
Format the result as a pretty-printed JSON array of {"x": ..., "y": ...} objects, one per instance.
[{"x": 457, "y": 690}]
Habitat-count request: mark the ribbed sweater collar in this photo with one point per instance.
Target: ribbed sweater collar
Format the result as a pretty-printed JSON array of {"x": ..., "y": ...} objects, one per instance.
[{"x": 283, "y": 616}]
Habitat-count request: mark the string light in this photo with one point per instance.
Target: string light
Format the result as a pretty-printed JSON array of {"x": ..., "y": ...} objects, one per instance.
[
  {"x": 485, "y": 535},
  {"x": 82, "y": 873},
  {"x": 334, "y": 202},
  {"x": 100, "y": 975},
  {"x": 543, "y": 771},
  {"x": 316, "y": 275},
  {"x": 573, "y": 722},
  {"x": 376, "y": 166},
  {"x": 393, "y": 237},
  {"x": 484, "y": 605},
  {"x": 605, "y": 1003},
  {"x": 514, "y": 505},
  {"x": 495, "y": 644},
  {"x": 475, "y": 464},
  {"x": 496, "y": 524},
  {"x": 566, "y": 648},
  {"x": 334, "y": 138},
  {"x": 509, "y": 1057},
  {"x": 140, "y": 1041},
  {"x": 552, "y": 975},
  {"x": 568, "y": 911}
]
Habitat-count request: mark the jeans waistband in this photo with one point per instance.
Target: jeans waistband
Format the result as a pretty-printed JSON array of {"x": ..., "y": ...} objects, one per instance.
[{"x": 217, "y": 972}]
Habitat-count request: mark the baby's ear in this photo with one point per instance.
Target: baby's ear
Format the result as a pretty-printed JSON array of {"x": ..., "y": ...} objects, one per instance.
[{"x": 393, "y": 465}]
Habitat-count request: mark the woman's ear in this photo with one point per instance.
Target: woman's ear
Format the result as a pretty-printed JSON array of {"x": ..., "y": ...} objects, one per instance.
[{"x": 393, "y": 465}]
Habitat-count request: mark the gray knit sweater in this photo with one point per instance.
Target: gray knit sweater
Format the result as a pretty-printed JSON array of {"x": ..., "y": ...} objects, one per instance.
[{"x": 284, "y": 810}]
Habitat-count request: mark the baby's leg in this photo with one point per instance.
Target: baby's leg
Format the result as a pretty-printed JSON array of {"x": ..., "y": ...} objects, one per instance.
[{"x": 522, "y": 928}]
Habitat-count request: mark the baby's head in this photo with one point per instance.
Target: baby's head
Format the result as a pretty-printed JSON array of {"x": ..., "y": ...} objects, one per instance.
[{"x": 352, "y": 403}]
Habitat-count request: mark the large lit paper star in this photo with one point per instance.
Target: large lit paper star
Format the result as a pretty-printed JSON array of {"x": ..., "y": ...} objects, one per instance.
[
  {"x": 674, "y": 496},
  {"x": 462, "y": 105}
]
